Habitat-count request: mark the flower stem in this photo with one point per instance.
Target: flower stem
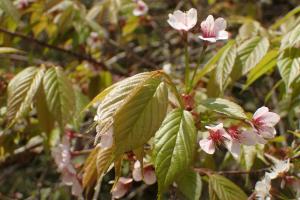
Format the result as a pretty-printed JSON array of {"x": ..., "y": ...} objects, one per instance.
[
  {"x": 187, "y": 62},
  {"x": 197, "y": 67}
]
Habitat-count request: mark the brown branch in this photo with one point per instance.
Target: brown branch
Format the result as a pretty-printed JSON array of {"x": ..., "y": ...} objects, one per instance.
[
  {"x": 204, "y": 171},
  {"x": 79, "y": 56}
]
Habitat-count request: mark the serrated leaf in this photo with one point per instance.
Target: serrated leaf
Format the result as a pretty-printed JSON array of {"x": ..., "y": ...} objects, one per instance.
[
  {"x": 190, "y": 185},
  {"x": 60, "y": 95},
  {"x": 249, "y": 29},
  {"x": 291, "y": 38},
  {"x": 174, "y": 147},
  {"x": 211, "y": 64},
  {"x": 251, "y": 51},
  {"x": 289, "y": 65},
  {"x": 141, "y": 115},
  {"x": 225, "y": 65},
  {"x": 46, "y": 120},
  {"x": 115, "y": 99},
  {"x": 225, "y": 107},
  {"x": 8, "y": 7},
  {"x": 90, "y": 169},
  {"x": 104, "y": 159},
  {"x": 265, "y": 64},
  {"x": 225, "y": 189},
  {"x": 21, "y": 91}
]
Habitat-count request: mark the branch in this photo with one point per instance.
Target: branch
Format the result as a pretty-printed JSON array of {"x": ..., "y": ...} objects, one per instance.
[
  {"x": 205, "y": 171},
  {"x": 79, "y": 56}
]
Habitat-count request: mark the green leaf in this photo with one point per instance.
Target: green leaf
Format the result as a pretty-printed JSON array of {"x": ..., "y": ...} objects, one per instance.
[
  {"x": 46, "y": 120},
  {"x": 117, "y": 97},
  {"x": 90, "y": 169},
  {"x": 211, "y": 63},
  {"x": 251, "y": 51},
  {"x": 190, "y": 185},
  {"x": 225, "y": 65},
  {"x": 280, "y": 21},
  {"x": 21, "y": 92},
  {"x": 225, "y": 107},
  {"x": 289, "y": 65},
  {"x": 141, "y": 115},
  {"x": 174, "y": 147},
  {"x": 225, "y": 189},
  {"x": 60, "y": 95},
  {"x": 130, "y": 26},
  {"x": 291, "y": 38},
  {"x": 267, "y": 63},
  {"x": 249, "y": 155},
  {"x": 8, "y": 7}
]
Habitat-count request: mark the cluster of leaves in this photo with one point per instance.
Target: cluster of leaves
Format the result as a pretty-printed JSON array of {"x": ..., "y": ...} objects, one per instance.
[{"x": 148, "y": 115}]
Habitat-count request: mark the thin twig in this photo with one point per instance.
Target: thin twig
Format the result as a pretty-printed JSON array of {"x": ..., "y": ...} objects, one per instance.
[
  {"x": 50, "y": 46},
  {"x": 205, "y": 171}
]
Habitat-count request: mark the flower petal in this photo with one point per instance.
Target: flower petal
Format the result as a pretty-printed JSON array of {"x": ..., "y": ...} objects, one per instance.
[
  {"x": 211, "y": 40},
  {"x": 207, "y": 145},
  {"x": 222, "y": 35},
  {"x": 259, "y": 112},
  {"x": 234, "y": 147},
  {"x": 220, "y": 24},
  {"x": 270, "y": 119},
  {"x": 191, "y": 18},
  {"x": 149, "y": 176},
  {"x": 248, "y": 137},
  {"x": 267, "y": 132}
]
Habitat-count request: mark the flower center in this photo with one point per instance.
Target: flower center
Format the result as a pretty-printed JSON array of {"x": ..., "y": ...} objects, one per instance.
[
  {"x": 234, "y": 132},
  {"x": 216, "y": 136},
  {"x": 257, "y": 123}
]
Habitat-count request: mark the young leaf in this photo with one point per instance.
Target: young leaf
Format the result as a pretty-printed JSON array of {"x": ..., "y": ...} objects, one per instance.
[
  {"x": 90, "y": 169},
  {"x": 225, "y": 65},
  {"x": 46, "y": 120},
  {"x": 21, "y": 91},
  {"x": 225, "y": 107},
  {"x": 264, "y": 65},
  {"x": 8, "y": 7},
  {"x": 190, "y": 185},
  {"x": 225, "y": 189},
  {"x": 60, "y": 95},
  {"x": 251, "y": 51},
  {"x": 7, "y": 50},
  {"x": 117, "y": 97},
  {"x": 141, "y": 115},
  {"x": 174, "y": 147},
  {"x": 289, "y": 65},
  {"x": 211, "y": 64},
  {"x": 291, "y": 38}
]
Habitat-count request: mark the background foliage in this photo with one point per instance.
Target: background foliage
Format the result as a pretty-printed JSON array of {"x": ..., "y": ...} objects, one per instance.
[{"x": 58, "y": 55}]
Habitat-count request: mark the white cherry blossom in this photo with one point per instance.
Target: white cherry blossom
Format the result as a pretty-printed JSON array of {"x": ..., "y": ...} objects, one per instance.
[
  {"x": 149, "y": 174},
  {"x": 183, "y": 21},
  {"x": 262, "y": 189},
  {"x": 213, "y": 30}
]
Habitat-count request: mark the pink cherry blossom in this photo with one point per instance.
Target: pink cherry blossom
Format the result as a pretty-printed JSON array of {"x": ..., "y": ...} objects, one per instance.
[
  {"x": 149, "y": 174},
  {"x": 213, "y": 30},
  {"x": 263, "y": 123},
  {"x": 121, "y": 187},
  {"x": 239, "y": 137},
  {"x": 217, "y": 135},
  {"x": 62, "y": 157},
  {"x": 141, "y": 8},
  {"x": 183, "y": 21}
]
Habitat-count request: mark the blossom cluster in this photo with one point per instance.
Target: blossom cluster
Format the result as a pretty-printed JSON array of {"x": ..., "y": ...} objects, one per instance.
[
  {"x": 62, "y": 157},
  {"x": 262, "y": 129},
  {"x": 147, "y": 174},
  {"x": 212, "y": 30},
  {"x": 263, "y": 187}
]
